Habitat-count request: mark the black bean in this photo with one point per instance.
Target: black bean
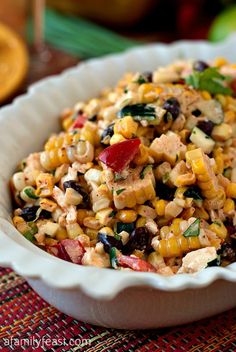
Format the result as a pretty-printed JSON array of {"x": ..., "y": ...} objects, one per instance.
[
  {"x": 93, "y": 118},
  {"x": 165, "y": 192},
  {"x": 76, "y": 186},
  {"x": 200, "y": 66},
  {"x": 44, "y": 214},
  {"x": 148, "y": 76},
  {"x": 139, "y": 239},
  {"x": 196, "y": 112},
  {"x": 206, "y": 126},
  {"x": 29, "y": 213},
  {"x": 107, "y": 134},
  {"x": 109, "y": 242},
  {"x": 227, "y": 252},
  {"x": 172, "y": 106},
  {"x": 129, "y": 227}
]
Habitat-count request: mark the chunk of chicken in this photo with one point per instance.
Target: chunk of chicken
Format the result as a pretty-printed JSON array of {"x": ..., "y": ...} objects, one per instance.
[
  {"x": 168, "y": 148},
  {"x": 197, "y": 260}
]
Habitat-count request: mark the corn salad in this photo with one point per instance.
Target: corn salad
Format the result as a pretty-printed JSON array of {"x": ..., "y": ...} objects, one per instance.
[{"x": 142, "y": 177}]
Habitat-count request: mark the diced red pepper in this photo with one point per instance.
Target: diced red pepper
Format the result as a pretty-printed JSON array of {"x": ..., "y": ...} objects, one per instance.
[
  {"x": 80, "y": 121},
  {"x": 119, "y": 155},
  {"x": 69, "y": 250},
  {"x": 136, "y": 264}
]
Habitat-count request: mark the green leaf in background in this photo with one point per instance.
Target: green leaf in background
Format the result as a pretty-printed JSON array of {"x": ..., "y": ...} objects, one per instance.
[
  {"x": 80, "y": 37},
  {"x": 223, "y": 25}
]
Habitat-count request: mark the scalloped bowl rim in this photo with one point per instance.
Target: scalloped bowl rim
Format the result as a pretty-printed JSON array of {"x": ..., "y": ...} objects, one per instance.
[{"x": 96, "y": 282}]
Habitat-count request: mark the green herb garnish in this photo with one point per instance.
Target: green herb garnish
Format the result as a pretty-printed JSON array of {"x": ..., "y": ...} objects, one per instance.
[
  {"x": 210, "y": 80},
  {"x": 117, "y": 237},
  {"x": 139, "y": 112},
  {"x": 193, "y": 230},
  {"x": 193, "y": 192},
  {"x": 166, "y": 177},
  {"x": 29, "y": 234},
  {"x": 118, "y": 177},
  {"x": 119, "y": 191},
  {"x": 144, "y": 171},
  {"x": 113, "y": 258},
  {"x": 112, "y": 214},
  {"x": 141, "y": 80},
  {"x": 30, "y": 192}
]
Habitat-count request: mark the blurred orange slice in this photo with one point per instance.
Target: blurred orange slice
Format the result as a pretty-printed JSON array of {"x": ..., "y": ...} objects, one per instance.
[{"x": 13, "y": 62}]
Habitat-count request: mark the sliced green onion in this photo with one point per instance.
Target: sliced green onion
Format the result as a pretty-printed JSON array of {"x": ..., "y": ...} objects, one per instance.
[
  {"x": 113, "y": 258},
  {"x": 193, "y": 230}
]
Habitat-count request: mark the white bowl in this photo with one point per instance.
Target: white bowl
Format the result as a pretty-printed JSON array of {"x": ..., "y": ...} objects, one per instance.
[{"x": 102, "y": 296}]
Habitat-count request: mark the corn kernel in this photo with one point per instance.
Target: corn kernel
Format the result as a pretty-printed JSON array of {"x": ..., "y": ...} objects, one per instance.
[
  {"x": 164, "y": 231},
  {"x": 201, "y": 213},
  {"x": 222, "y": 132},
  {"x": 126, "y": 126},
  {"x": 61, "y": 234},
  {"x": 229, "y": 116},
  {"x": 229, "y": 206},
  {"x": 126, "y": 216},
  {"x": 206, "y": 95},
  {"x": 231, "y": 190},
  {"x": 141, "y": 222},
  {"x": 74, "y": 230},
  {"x": 67, "y": 123},
  {"x": 116, "y": 138},
  {"x": 44, "y": 183},
  {"x": 81, "y": 214},
  {"x": 47, "y": 204},
  {"x": 107, "y": 230},
  {"x": 105, "y": 216},
  {"x": 92, "y": 234},
  {"x": 160, "y": 206},
  {"x": 220, "y": 61},
  {"x": 147, "y": 93},
  {"x": 142, "y": 156},
  {"x": 219, "y": 228}
]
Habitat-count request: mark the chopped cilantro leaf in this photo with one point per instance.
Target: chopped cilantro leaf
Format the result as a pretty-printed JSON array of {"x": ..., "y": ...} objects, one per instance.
[
  {"x": 210, "y": 80},
  {"x": 119, "y": 191}
]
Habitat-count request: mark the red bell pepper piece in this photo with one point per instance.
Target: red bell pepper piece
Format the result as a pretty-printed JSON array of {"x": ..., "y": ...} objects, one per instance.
[
  {"x": 80, "y": 121},
  {"x": 233, "y": 86},
  {"x": 69, "y": 250},
  {"x": 136, "y": 264},
  {"x": 119, "y": 155}
]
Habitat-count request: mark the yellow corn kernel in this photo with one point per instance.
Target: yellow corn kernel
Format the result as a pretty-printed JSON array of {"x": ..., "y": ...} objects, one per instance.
[
  {"x": 126, "y": 216},
  {"x": 107, "y": 230},
  {"x": 162, "y": 221},
  {"x": 178, "y": 245},
  {"x": 116, "y": 138},
  {"x": 126, "y": 126},
  {"x": 198, "y": 167},
  {"x": 229, "y": 116},
  {"x": 89, "y": 133},
  {"x": 51, "y": 159},
  {"x": 219, "y": 161},
  {"x": 141, "y": 131},
  {"x": 67, "y": 123},
  {"x": 47, "y": 204},
  {"x": 81, "y": 215},
  {"x": 20, "y": 224},
  {"x": 142, "y": 156},
  {"x": 141, "y": 222},
  {"x": 221, "y": 98},
  {"x": 164, "y": 231},
  {"x": 159, "y": 90},
  {"x": 138, "y": 253},
  {"x": 179, "y": 193},
  {"x": 229, "y": 206},
  {"x": 92, "y": 223},
  {"x": 45, "y": 184},
  {"x": 219, "y": 228},
  {"x": 74, "y": 230},
  {"x": 231, "y": 190},
  {"x": 184, "y": 134},
  {"x": 201, "y": 214},
  {"x": 175, "y": 226},
  {"x": 191, "y": 146},
  {"x": 160, "y": 206},
  {"x": 206, "y": 95},
  {"x": 105, "y": 216},
  {"x": 61, "y": 234},
  {"x": 92, "y": 234},
  {"x": 222, "y": 132},
  {"x": 220, "y": 61},
  {"x": 147, "y": 93},
  {"x": 50, "y": 241},
  {"x": 188, "y": 213}
]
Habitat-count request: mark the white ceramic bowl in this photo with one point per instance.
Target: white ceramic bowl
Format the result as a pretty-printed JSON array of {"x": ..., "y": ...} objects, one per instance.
[{"x": 102, "y": 296}]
